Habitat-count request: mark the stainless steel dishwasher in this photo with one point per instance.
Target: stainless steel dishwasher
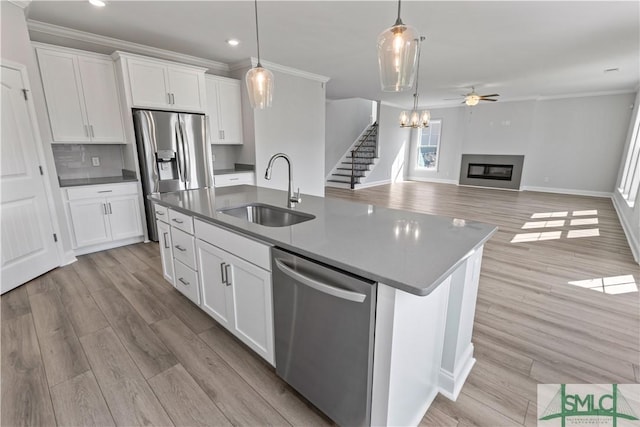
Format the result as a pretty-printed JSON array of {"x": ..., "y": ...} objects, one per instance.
[{"x": 324, "y": 323}]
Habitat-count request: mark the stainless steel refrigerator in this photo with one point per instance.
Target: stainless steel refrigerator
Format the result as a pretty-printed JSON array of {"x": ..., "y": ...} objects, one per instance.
[{"x": 173, "y": 155}]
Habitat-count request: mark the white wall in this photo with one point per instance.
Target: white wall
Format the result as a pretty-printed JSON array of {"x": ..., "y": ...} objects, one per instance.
[
  {"x": 393, "y": 143},
  {"x": 293, "y": 125},
  {"x": 345, "y": 121},
  {"x": 629, "y": 216},
  {"x": 16, "y": 47},
  {"x": 571, "y": 144}
]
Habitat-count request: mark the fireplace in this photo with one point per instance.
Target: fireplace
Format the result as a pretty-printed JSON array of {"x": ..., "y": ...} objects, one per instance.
[{"x": 490, "y": 170}]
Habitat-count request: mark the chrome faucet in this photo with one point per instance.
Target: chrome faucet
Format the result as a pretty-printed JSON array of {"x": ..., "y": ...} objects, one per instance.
[{"x": 293, "y": 198}]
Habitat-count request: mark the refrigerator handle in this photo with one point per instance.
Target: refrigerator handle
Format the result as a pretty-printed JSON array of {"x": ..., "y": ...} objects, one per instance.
[
  {"x": 180, "y": 153},
  {"x": 187, "y": 156},
  {"x": 149, "y": 144}
]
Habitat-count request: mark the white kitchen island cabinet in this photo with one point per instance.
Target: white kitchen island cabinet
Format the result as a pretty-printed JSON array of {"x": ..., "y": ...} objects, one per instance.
[
  {"x": 82, "y": 96},
  {"x": 424, "y": 311}
]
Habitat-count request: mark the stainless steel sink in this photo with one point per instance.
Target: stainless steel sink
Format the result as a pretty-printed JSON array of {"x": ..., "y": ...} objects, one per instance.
[{"x": 267, "y": 215}]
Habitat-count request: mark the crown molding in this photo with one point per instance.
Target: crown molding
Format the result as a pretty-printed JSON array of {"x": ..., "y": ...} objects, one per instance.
[
  {"x": 22, "y": 4},
  {"x": 272, "y": 66},
  {"x": 118, "y": 44},
  {"x": 585, "y": 94}
]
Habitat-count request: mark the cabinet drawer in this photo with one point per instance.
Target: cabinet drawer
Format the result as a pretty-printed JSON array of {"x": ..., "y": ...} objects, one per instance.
[
  {"x": 162, "y": 213},
  {"x": 187, "y": 281},
  {"x": 183, "y": 247},
  {"x": 181, "y": 221},
  {"x": 92, "y": 191},
  {"x": 255, "y": 252},
  {"x": 230, "y": 179}
]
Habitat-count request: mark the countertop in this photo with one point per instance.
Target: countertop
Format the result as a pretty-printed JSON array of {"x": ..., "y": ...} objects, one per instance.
[
  {"x": 406, "y": 250},
  {"x": 95, "y": 181},
  {"x": 230, "y": 171}
]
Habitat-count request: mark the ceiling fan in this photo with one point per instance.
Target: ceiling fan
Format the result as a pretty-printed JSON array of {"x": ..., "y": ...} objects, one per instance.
[{"x": 473, "y": 98}]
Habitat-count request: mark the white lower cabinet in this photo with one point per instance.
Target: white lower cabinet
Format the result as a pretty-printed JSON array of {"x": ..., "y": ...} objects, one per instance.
[
  {"x": 186, "y": 281},
  {"x": 103, "y": 214},
  {"x": 237, "y": 294}
]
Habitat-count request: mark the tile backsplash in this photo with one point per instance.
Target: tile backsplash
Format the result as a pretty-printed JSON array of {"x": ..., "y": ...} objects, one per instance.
[{"x": 73, "y": 161}]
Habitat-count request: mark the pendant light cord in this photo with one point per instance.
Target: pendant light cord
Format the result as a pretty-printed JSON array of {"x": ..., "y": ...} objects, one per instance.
[
  {"x": 257, "y": 34},
  {"x": 399, "y": 21},
  {"x": 415, "y": 96}
]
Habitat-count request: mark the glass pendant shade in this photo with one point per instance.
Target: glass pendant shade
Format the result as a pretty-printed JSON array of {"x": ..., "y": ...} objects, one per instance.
[
  {"x": 425, "y": 118},
  {"x": 397, "y": 57},
  {"x": 259, "y": 87},
  {"x": 404, "y": 119}
]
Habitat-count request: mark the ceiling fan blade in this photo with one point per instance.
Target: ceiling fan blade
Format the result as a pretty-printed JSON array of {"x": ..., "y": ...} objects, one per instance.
[
  {"x": 493, "y": 94},
  {"x": 488, "y": 99}
]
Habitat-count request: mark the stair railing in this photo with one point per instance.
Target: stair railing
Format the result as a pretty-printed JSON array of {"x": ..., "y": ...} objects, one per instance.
[{"x": 374, "y": 126}]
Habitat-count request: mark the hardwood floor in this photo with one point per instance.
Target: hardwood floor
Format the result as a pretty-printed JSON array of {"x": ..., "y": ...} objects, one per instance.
[{"x": 106, "y": 341}]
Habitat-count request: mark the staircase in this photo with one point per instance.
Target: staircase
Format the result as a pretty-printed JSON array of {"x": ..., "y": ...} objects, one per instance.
[{"x": 352, "y": 170}]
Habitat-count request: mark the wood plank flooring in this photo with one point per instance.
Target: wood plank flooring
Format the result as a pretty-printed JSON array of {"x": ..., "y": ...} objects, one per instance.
[{"x": 106, "y": 341}]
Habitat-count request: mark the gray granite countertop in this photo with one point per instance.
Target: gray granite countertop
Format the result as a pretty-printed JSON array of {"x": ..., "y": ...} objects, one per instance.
[
  {"x": 230, "y": 171},
  {"x": 95, "y": 181},
  {"x": 409, "y": 251}
]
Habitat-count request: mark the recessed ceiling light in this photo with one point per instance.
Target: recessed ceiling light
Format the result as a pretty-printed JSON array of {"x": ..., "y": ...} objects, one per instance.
[
  {"x": 98, "y": 3},
  {"x": 233, "y": 42},
  {"x": 611, "y": 70}
]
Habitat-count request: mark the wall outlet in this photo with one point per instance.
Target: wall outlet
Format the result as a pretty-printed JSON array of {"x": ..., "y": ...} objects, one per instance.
[{"x": 95, "y": 161}]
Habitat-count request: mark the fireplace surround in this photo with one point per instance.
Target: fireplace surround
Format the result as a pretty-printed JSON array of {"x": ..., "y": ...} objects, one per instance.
[{"x": 490, "y": 170}]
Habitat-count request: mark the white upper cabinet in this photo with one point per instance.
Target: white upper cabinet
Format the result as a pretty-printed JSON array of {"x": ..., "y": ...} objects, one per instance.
[
  {"x": 81, "y": 96},
  {"x": 153, "y": 83},
  {"x": 224, "y": 109}
]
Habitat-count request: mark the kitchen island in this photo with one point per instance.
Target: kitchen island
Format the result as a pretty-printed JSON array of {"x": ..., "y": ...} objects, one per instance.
[{"x": 426, "y": 268}]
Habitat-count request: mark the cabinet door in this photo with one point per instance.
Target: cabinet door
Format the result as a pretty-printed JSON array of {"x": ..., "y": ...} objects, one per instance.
[
  {"x": 230, "y": 111},
  {"x": 185, "y": 86},
  {"x": 101, "y": 100},
  {"x": 164, "y": 237},
  {"x": 215, "y": 294},
  {"x": 89, "y": 221},
  {"x": 149, "y": 85},
  {"x": 213, "y": 111},
  {"x": 63, "y": 96},
  {"x": 252, "y": 306},
  {"x": 124, "y": 217}
]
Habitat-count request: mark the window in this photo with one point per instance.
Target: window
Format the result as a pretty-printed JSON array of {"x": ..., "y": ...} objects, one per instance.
[
  {"x": 429, "y": 146},
  {"x": 631, "y": 172}
]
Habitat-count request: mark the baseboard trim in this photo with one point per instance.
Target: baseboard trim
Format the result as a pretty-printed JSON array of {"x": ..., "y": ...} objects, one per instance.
[
  {"x": 68, "y": 257},
  {"x": 372, "y": 184},
  {"x": 567, "y": 191},
  {"x": 633, "y": 242},
  {"x": 108, "y": 245},
  {"x": 451, "y": 382},
  {"x": 438, "y": 180}
]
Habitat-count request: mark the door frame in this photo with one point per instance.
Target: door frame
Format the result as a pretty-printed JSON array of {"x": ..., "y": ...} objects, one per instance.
[{"x": 33, "y": 120}]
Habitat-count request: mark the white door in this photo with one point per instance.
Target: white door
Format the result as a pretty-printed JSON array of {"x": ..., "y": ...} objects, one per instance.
[
  {"x": 27, "y": 244},
  {"x": 90, "y": 221},
  {"x": 252, "y": 306},
  {"x": 124, "y": 217},
  {"x": 63, "y": 95},
  {"x": 215, "y": 297},
  {"x": 184, "y": 86},
  {"x": 164, "y": 236},
  {"x": 148, "y": 84},
  {"x": 101, "y": 100}
]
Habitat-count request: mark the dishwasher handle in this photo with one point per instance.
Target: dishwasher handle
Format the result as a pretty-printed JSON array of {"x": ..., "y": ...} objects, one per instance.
[{"x": 320, "y": 286}]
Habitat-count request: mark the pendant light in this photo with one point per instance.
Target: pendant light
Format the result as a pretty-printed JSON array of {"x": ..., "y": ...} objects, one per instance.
[
  {"x": 397, "y": 55},
  {"x": 259, "y": 80},
  {"x": 416, "y": 119}
]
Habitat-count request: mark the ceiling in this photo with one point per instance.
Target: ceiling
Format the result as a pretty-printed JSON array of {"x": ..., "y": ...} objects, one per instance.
[{"x": 519, "y": 49}]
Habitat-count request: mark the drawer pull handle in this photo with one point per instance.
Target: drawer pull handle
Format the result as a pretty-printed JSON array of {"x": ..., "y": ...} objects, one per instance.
[
  {"x": 159, "y": 213},
  {"x": 180, "y": 248},
  {"x": 226, "y": 273},
  {"x": 184, "y": 282},
  {"x": 105, "y": 191},
  {"x": 166, "y": 244},
  {"x": 233, "y": 179},
  {"x": 179, "y": 221}
]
